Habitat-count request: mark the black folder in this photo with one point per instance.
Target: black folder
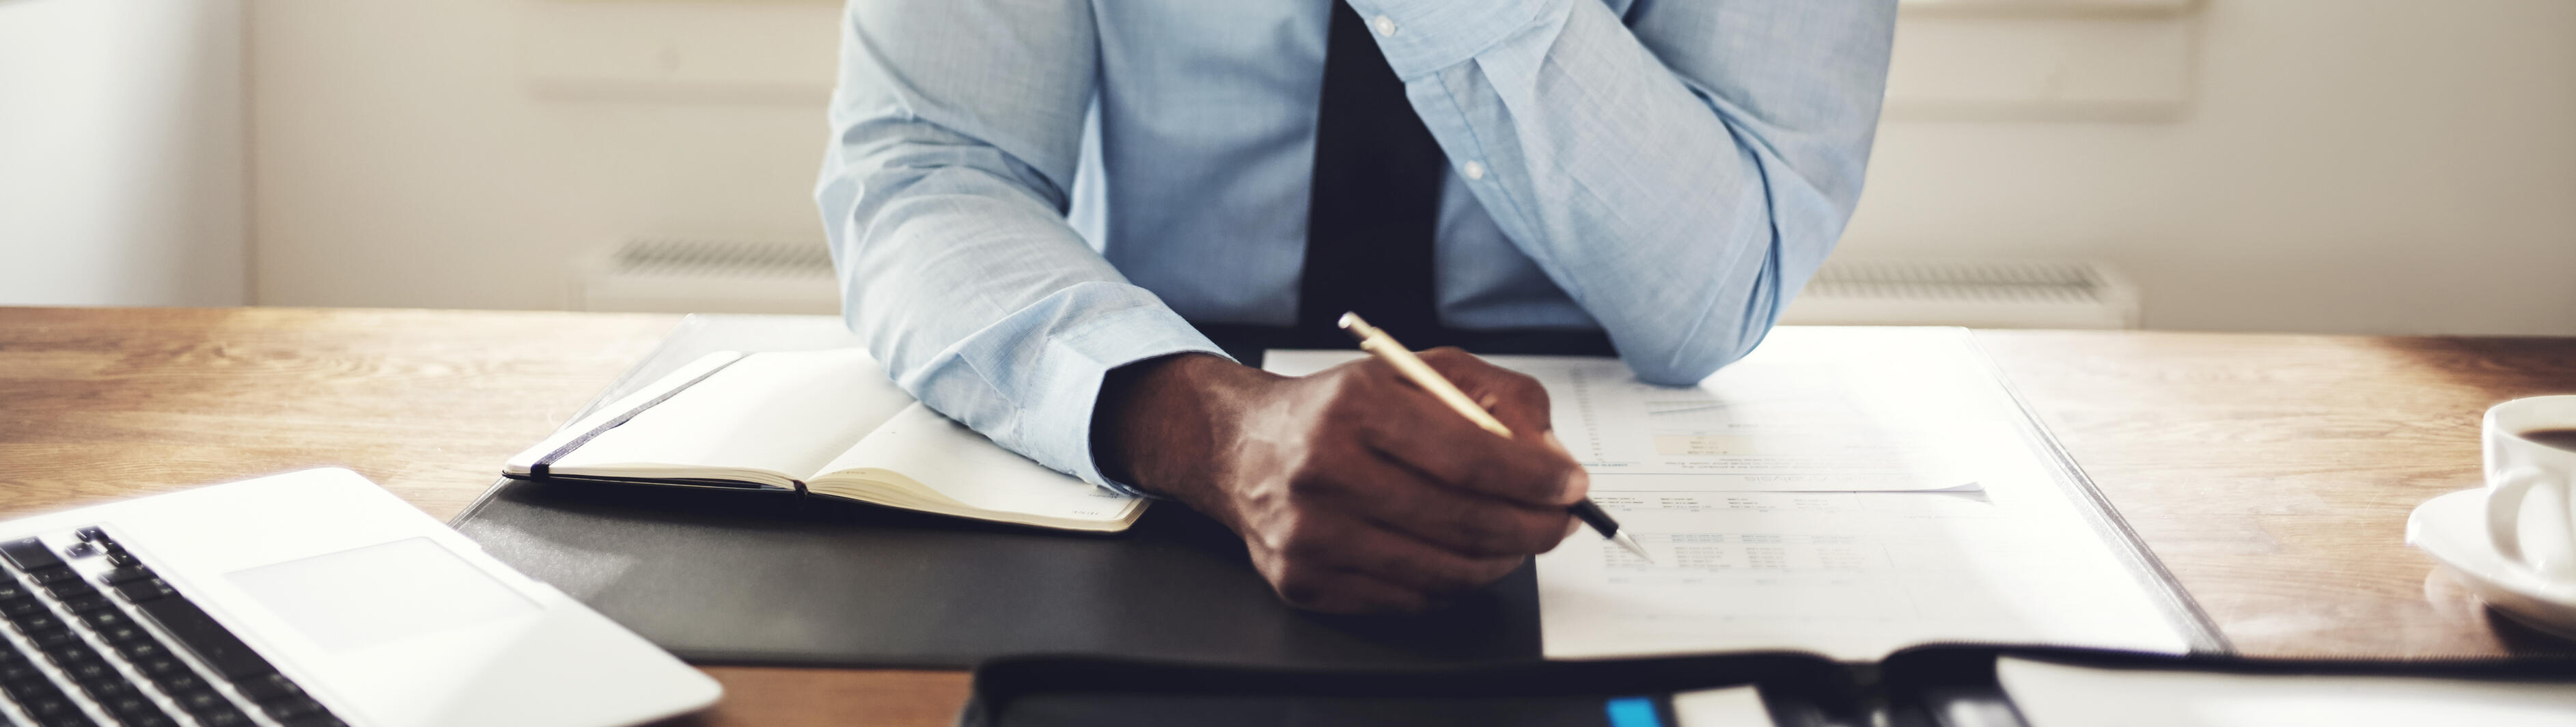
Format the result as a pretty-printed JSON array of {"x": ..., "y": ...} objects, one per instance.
[
  {"x": 718, "y": 577},
  {"x": 1924, "y": 686}
]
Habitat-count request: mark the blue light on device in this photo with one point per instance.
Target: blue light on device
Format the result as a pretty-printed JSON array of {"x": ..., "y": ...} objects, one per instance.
[{"x": 1634, "y": 712}]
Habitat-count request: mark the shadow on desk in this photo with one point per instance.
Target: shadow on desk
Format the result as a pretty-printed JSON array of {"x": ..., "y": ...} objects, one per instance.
[{"x": 724, "y": 577}]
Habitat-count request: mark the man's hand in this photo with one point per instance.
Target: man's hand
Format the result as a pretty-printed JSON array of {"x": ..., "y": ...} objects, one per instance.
[{"x": 1354, "y": 489}]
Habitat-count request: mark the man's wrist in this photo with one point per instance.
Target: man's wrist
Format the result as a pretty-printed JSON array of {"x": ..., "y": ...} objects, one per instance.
[{"x": 1159, "y": 422}]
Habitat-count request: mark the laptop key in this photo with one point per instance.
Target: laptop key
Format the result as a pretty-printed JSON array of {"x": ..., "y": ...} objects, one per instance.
[
  {"x": 71, "y": 589},
  {"x": 202, "y": 636},
  {"x": 290, "y": 708},
  {"x": 34, "y": 621},
  {"x": 133, "y": 707},
  {"x": 159, "y": 665},
  {"x": 32, "y": 690},
  {"x": 180, "y": 682},
  {"x": 69, "y": 654},
  {"x": 140, "y": 649},
  {"x": 118, "y": 557},
  {"x": 11, "y": 589},
  {"x": 52, "y": 639},
  {"x": 100, "y": 619},
  {"x": 16, "y": 607},
  {"x": 95, "y": 674},
  {"x": 124, "y": 634},
  {"x": 225, "y": 717},
  {"x": 149, "y": 589},
  {"x": 19, "y": 670},
  {"x": 92, "y": 603},
  {"x": 198, "y": 699},
  {"x": 53, "y": 708},
  {"x": 29, "y": 554},
  {"x": 268, "y": 687},
  {"x": 128, "y": 573},
  {"x": 92, "y": 534},
  {"x": 319, "y": 720},
  {"x": 53, "y": 575}
]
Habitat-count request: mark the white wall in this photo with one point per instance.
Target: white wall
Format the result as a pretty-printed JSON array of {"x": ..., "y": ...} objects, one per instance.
[
  {"x": 2381, "y": 166},
  {"x": 121, "y": 156},
  {"x": 409, "y": 156},
  {"x": 2340, "y": 165}
]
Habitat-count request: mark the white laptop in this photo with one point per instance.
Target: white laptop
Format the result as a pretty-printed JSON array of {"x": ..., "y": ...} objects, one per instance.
[{"x": 302, "y": 600}]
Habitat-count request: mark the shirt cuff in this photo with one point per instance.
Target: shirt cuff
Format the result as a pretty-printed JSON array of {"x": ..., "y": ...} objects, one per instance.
[
  {"x": 1421, "y": 37},
  {"x": 1085, "y": 331}
]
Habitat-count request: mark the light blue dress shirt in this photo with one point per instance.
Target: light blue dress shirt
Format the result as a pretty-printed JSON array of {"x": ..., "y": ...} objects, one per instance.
[{"x": 1024, "y": 194}]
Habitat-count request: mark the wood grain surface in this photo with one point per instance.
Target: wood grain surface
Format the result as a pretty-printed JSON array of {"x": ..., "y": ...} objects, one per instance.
[{"x": 2271, "y": 473}]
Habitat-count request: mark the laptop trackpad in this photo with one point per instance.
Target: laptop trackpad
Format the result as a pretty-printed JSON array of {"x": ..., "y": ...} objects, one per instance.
[{"x": 365, "y": 596}]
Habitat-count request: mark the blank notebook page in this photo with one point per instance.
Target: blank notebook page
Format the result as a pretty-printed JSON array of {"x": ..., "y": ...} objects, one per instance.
[
  {"x": 789, "y": 412},
  {"x": 946, "y": 456}
]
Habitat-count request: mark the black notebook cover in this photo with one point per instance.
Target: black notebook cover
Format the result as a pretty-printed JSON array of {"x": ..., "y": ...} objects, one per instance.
[{"x": 767, "y": 578}]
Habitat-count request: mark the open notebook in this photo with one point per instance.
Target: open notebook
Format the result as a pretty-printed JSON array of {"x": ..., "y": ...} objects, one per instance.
[{"x": 818, "y": 422}]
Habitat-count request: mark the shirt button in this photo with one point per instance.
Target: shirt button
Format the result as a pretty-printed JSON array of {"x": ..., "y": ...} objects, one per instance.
[
  {"x": 1385, "y": 25},
  {"x": 1473, "y": 170}
]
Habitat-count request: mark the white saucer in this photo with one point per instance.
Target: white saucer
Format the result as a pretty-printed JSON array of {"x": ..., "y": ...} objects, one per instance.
[{"x": 2453, "y": 529}]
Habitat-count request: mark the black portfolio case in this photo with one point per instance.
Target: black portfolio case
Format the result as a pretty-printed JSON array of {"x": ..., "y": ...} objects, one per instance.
[
  {"x": 1928, "y": 686},
  {"x": 738, "y": 577},
  {"x": 757, "y": 578}
]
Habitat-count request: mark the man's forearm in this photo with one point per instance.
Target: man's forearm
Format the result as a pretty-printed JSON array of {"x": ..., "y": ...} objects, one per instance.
[
  {"x": 956, "y": 130},
  {"x": 1679, "y": 171}
]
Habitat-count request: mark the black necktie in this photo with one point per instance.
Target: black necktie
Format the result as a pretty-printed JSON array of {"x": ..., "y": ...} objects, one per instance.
[
  {"x": 1376, "y": 200},
  {"x": 1375, "y": 210}
]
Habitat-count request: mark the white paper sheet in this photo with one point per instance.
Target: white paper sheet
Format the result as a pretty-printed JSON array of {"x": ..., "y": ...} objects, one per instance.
[
  {"x": 1802, "y": 508},
  {"x": 2057, "y": 695},
  {"x": 1852, "y": 576},
  {"x": 1808, "y": 411}
]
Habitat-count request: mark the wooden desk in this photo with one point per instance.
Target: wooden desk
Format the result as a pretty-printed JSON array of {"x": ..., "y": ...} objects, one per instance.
[{"x": 2272, "y": 474}]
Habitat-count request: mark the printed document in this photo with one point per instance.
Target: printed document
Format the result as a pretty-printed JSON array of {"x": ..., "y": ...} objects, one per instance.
[
  {"x": 1845, "y": 491},
  {"x": 1821, "y": 413}
]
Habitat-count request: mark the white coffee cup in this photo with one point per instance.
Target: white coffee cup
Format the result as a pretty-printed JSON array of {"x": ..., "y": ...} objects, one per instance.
[{"x": 2517, "y": 470}]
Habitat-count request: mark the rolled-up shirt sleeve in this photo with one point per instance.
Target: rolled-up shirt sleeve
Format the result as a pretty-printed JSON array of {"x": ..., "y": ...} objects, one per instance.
[
  {"x": 1679, "y": 167},
  {"x": 956, "y": 129}
]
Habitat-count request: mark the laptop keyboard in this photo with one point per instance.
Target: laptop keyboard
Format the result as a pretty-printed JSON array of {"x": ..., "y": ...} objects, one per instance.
[{"x": 76, "y": 655}]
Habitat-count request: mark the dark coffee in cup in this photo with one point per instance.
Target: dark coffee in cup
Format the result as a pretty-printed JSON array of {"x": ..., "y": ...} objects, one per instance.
[{"x": 2560, "y": 438}]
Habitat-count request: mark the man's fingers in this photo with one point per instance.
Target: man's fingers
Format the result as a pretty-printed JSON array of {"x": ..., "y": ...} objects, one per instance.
[
  {"x": 1411, "y": 428},
  {"x": 1405, "y": 561},
  {"x": 1453, "y": 519},
  {"x": 1343, "y": 564}
]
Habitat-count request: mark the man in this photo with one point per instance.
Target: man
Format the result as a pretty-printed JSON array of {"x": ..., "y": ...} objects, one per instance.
[{"x": 1654, "y": 177}]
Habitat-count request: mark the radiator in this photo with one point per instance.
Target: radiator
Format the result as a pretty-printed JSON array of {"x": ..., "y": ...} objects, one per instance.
[
  {"x": 1978, "y": 293},
  {"x": 719, "y": 276},
  {"x": 708, "y": 276}
]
